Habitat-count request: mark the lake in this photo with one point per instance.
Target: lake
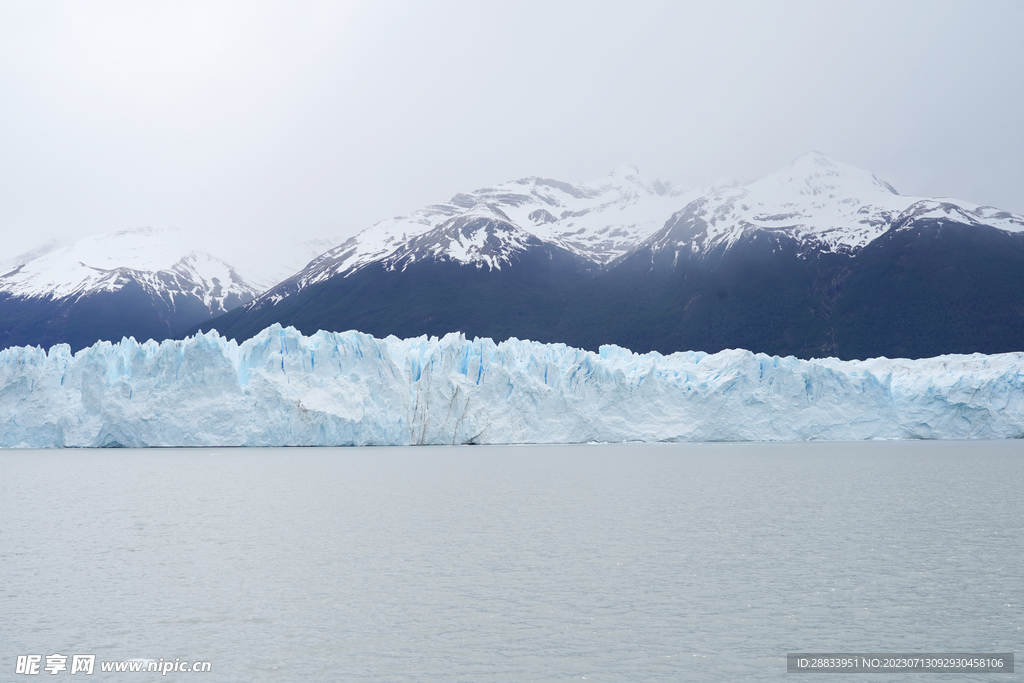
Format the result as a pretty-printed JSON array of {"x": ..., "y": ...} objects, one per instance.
[{"x": 627, "y": 562}]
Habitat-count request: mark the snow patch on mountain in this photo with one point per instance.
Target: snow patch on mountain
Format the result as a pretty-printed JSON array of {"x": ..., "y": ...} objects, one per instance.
[
  {"x": 7, "y": 265},
  {"x": 483, "y": 236},
  {"x": 956, "y": 211},
  {"x": 281, "y": 388}
]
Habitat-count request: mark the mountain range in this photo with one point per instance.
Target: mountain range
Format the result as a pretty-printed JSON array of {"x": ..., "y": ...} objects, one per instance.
[{"x": 818, "y": 259}]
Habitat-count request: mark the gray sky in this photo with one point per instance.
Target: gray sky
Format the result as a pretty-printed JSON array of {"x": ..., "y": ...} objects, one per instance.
[{"x": 256, "y": 120}]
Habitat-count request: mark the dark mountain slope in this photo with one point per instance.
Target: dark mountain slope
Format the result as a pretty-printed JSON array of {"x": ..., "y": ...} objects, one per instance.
[
  {"x": 130, "y": 311},
  {"x": 526, "y": 298},
  {"x": 932, "y": 287},
  {"x": 756, "y": 294}
]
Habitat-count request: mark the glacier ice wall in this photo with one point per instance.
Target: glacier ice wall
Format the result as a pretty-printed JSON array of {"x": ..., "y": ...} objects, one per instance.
[{"x": 281, "y": 388}]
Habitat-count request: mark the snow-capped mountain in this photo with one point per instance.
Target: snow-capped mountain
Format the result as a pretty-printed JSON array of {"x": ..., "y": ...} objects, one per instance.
[
  {"x": 818, "y": 259},
  {"x": 598, "y": 220},
  {"x": 821, "y": 203},
  {"x": 148, "y": 281},
  {"x": 484, "y": 236},
  {"x": 161, "y": 261}
]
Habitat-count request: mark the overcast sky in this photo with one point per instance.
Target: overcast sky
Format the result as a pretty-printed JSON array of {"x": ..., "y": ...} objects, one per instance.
[{"x": 258, "y": 121}]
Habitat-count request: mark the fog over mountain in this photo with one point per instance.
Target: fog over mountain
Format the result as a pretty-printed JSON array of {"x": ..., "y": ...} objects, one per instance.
[{"x": 260, "y": 124}]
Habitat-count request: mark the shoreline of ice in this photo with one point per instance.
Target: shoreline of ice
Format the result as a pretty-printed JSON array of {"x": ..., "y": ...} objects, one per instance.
[{"x": 281, "y": 388}]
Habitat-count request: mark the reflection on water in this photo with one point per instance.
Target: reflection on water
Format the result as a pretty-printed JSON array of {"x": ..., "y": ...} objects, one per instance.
[{"x": 612, "y": 563}]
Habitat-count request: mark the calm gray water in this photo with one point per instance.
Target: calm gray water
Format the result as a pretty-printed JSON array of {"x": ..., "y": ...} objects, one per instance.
[{"x": 703, "y": 562}]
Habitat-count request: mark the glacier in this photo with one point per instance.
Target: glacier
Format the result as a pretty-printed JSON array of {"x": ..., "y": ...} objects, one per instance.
[{"x": 281, "y": 388}]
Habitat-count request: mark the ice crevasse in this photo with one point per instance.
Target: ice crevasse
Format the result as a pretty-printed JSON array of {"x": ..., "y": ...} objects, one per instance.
[{"x": 281, "y": 388}]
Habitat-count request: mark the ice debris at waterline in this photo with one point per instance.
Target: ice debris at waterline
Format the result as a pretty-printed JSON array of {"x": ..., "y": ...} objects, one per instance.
[{"x": 281, "y": 388}]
